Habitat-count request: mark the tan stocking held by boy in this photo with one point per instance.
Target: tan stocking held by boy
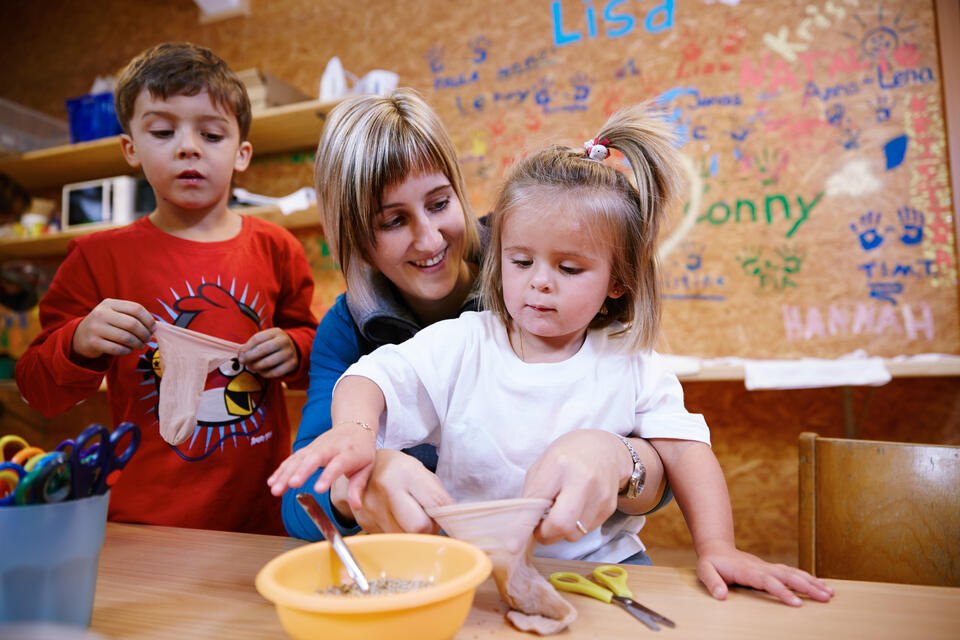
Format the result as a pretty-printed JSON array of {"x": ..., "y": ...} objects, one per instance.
[
  {"x": 504, "y": 530},
  {"x": 186, "y": 357}
]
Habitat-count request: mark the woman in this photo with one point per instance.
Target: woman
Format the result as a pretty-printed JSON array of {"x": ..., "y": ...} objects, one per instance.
[{"x": 395, "y": 214}]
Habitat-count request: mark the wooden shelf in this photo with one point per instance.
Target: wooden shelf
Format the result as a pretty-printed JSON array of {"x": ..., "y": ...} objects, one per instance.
[
  {"x": 276, "y": 129},
  {"x": 905, "y": 368},
  {"x": 55, "y": 244}
]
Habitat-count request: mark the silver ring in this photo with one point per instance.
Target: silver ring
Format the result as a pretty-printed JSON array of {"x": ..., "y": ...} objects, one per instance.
[{"x": 582, "y": 528}]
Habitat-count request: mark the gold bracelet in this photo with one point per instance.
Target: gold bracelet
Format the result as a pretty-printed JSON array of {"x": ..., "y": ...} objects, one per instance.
[{"x": 362, "y": 424}]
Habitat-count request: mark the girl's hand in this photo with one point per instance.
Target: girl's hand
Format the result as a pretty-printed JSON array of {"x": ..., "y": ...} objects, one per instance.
[
  {"x": 399, "y": 490},
  {"x": 717, "y": 567},
  {"x": 347, "y": 450},
  {"x": 575, "y": 473},
  {"x": 270, "y": 353},
  {"x": 113, "y": 327}
]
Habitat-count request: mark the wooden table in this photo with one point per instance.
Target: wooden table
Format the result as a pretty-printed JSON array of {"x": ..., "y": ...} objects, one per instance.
[{"x": 160, "y": 582}]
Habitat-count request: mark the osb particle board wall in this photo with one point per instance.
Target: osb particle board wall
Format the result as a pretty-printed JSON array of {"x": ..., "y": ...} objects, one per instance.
[
  {"x": 819, "y": 190},
  {"x": 53, "y": 50}
]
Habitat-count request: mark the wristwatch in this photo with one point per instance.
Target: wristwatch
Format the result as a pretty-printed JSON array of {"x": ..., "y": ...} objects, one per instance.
[{"x": 639, "y": 476}]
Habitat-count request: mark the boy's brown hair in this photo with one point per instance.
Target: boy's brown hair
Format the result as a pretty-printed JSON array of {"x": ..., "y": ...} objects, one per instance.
[{"x": 181, "y": 68}]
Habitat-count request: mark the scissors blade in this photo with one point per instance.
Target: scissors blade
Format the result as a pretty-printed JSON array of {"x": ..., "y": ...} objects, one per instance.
[
  {"x": 638, "y": 609},
  {"x": 642, "y": 616}
]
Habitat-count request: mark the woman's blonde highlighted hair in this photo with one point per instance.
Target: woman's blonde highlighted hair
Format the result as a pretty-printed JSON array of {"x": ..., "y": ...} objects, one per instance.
[
  {"x": 628, "y": 215},
  {"x": 370, "y": 143}
]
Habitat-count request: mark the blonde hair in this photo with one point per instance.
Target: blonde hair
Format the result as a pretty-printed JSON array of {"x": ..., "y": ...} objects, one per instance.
[
  {"x": 370, "y": 143},
  {"x": 627, "y": 214}
]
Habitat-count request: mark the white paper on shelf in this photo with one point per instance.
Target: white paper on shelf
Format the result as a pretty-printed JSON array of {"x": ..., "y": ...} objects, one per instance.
[
  {"x": 297, "y": 201},
  {"x": 810, "y": 373},
  {"x": 681, "y": 365}
]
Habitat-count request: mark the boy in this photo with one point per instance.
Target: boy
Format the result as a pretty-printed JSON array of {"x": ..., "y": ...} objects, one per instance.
[{"x": 192, "y": 263}]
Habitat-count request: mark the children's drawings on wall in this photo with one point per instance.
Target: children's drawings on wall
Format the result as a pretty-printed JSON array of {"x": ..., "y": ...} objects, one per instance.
[
  {"x": 610, "y": 19},
  {"x": 886, "y": 278},
  {"x": 859, "y": 319},
  {"x": 684, "y": 276},
  {"x": 817, "y": 199},
  {"x": 854, "y": 179},
  {"x": 771, "y": 270},
  {"x": 930, "y": 185}
]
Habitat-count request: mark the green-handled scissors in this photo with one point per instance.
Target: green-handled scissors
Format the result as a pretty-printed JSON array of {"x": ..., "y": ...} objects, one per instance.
[{"x": 614, "y": 578}]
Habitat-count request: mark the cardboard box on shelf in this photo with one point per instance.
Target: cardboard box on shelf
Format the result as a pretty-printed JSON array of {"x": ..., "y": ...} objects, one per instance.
[{"x": 267, "y": 90}]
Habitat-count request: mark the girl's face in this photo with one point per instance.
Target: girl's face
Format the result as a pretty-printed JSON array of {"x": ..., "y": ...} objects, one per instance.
[
  {"x": 420, "y": 231},
  {"x": 556, "y": 274}
]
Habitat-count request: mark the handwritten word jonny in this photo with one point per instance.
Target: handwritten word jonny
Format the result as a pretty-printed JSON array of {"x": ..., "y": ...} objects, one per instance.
[{"x": 720, "y": 212}]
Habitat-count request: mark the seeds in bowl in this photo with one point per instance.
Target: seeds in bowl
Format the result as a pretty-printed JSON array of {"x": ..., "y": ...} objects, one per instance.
[{"x": 378, "y": 586}]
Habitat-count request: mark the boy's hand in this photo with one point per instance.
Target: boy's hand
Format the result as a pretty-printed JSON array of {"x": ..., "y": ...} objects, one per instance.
[
  {"x": 115, "y": 328},
  {"x": 270, "y": 353},
  {"x": 345, "y": 450},
  {"x": 722, "y": 565}
]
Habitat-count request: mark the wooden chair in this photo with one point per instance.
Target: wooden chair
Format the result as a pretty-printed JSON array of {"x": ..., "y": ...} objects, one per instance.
[{"x": 880, "y": 511}]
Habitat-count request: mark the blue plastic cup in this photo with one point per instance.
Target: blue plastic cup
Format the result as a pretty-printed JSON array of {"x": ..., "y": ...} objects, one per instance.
[{"x": 48, "y": 564}]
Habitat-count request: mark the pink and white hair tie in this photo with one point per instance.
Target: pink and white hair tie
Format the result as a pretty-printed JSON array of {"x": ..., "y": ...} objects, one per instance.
[{"x": 596, "y": 150}]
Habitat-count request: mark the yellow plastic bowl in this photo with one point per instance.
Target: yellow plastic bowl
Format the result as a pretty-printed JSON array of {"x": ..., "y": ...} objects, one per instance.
[{"x": 453, "y": 567}]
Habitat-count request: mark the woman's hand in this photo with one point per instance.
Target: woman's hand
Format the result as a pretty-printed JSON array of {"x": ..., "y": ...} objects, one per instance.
[
  {"x": 346, "y": 452},
  {"x": 582, "y": 472},
  {"x": 398, "y": 491}
]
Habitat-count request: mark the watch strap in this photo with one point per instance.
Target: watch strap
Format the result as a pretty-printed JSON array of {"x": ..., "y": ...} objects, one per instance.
[{"x": 639, "y": 475}]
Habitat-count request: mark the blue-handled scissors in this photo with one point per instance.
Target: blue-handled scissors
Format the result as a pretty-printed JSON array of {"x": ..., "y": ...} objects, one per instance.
[
  {"x": 94, "y": 462},
  {"x": 47, "y": 481},
  {"x": 614, "y": 578}
]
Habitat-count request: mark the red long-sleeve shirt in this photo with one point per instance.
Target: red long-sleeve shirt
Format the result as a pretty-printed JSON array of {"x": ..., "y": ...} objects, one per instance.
[{"x": 230, "y": 289}]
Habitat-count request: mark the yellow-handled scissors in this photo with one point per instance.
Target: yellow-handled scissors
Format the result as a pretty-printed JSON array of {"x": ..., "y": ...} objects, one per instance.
[{"x": 614, "y": 579}]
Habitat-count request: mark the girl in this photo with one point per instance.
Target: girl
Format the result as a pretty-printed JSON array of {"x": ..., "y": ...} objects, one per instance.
[
  {"x": 573, "y": 310},
  {"x": 396, "y": 216}
]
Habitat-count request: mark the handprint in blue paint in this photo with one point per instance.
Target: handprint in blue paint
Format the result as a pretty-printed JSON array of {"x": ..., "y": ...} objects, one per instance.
[
  {"x": 912, "y": 221},
  {"x": 867, "y": 230},
  {"x": 435, "y": 58},
  {"x": 581, "y": 83},
  {"x": 835, "y": 113},
  {"x": 543, "y": 92},
  {"x": 479, "y": 46},
  {"x": 883, "y": 108}
]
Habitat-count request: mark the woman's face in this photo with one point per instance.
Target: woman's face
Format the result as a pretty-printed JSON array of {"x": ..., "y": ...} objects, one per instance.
[{"x": 419, "y": 232}]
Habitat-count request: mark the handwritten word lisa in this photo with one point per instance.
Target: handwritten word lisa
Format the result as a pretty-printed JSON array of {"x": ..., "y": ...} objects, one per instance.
[{"x": 617, "y": 21}]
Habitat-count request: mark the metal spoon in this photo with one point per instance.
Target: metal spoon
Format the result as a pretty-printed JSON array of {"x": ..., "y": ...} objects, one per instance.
[{"x": 330, "y": 532}]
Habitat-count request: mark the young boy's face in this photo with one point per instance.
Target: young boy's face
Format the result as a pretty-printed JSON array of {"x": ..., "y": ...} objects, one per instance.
[{"x": 188, "y": 148}]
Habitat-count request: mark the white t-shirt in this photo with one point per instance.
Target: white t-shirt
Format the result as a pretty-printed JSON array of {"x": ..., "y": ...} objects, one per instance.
[{"x": 458, "y": 385}]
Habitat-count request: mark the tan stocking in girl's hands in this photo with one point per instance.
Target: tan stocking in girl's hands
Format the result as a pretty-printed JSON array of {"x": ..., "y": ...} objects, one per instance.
[
  {"x": 504, "y": 530},
  {"x": 186, "y": 357}
]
